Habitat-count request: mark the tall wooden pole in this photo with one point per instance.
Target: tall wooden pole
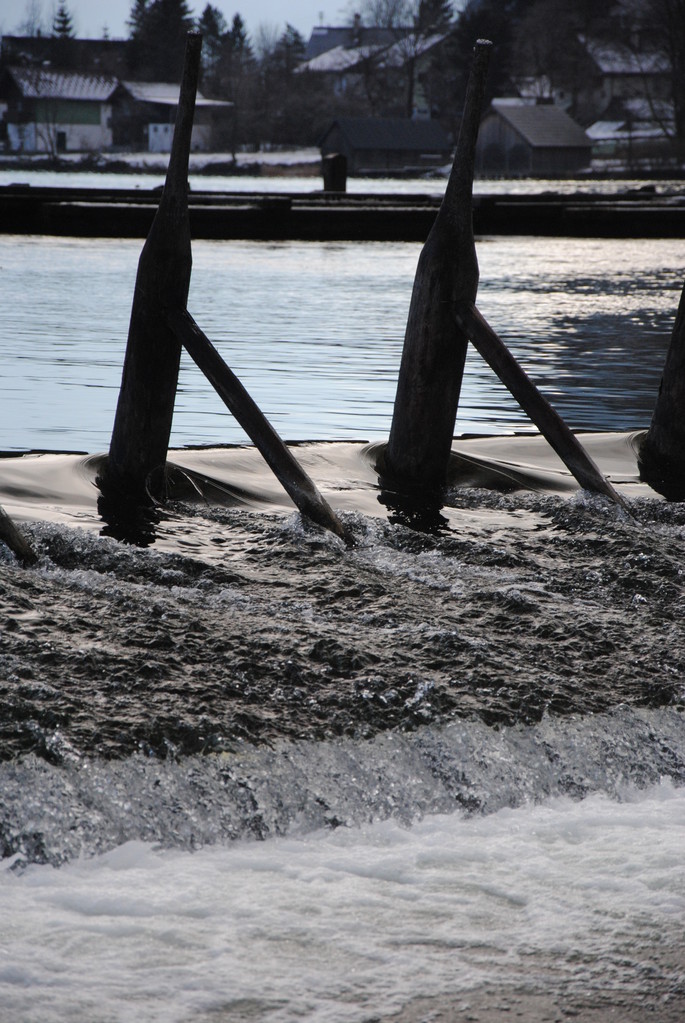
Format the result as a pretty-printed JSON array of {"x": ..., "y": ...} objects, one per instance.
[
  {"x": 432, "y": 366},
  {"x": 142, "y": 424},
  {"x": 662, "y": 453}
]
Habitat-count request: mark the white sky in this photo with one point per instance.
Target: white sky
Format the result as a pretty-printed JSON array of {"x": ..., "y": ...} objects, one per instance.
[{"x": 90, "y": 16}]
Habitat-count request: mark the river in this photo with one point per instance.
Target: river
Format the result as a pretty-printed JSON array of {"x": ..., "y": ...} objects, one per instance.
[{"x": 247, "y": 773}]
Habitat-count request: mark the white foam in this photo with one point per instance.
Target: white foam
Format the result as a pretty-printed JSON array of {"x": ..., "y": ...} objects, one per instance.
[{"x": 347, "y": 924}]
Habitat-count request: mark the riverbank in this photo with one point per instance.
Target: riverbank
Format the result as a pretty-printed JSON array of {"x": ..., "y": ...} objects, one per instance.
[
  {"x": 281, "y": 162},
  {"x": 291, "y": 162}
]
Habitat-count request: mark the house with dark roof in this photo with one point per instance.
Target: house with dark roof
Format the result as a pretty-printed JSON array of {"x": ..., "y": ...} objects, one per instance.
[
  {"x": 325, "y": 38},
  {"x": 50, "y": 111},
  {"x": 386, "y": 144},
  {"x": 518, "y": 138}
]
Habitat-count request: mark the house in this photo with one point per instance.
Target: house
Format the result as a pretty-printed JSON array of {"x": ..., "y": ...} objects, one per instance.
[
  {"x": 617, "y": 72},
  {"x": 632, "y": 129},
  {"x": 396, "y": 60},
  {"x": 382, "y": 144},
  {"x": 520, "y": 138},
  {"x": 144, "y": 114},
  {"x": 50, "y": 111}
]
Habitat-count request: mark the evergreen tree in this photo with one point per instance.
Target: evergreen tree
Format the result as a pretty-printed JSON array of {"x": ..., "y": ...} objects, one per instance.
[
  {"x": 485, "y": 19},
  {"x": 136, "y": 18},
  {"x": 289, "y": 50},
  {"x": 62, "y": 25},
  {"x": 214, "y": 29},
  {"x": 238, "y": 36},
  {"x": 232, "y": 78},
  {"x": 433, "y": 16},
  {"x": 158, "y": 35}
]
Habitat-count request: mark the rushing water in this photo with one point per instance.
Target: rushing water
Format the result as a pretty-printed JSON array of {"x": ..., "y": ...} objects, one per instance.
[{"x": 248, "y": 773}]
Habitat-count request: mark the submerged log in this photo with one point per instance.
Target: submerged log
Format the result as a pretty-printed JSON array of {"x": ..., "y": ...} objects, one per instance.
[
  {"x": 535, "y": 405},
  {"x": 278, "y": 457},
  {"x": 418, "y": 451},
  {"x": 15, "y": 540},
  {"x": 661, "y": 458},
  {"x": 142, "y": 425}
]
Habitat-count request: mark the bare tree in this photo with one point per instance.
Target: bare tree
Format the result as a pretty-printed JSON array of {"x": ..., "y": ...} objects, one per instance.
[
  {"x": 666, "y": 18},
  {"x": 33, "y": 23},
  {"x": 385, "y": 13}
]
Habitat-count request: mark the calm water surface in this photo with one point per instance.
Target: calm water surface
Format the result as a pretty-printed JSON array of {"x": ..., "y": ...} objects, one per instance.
[{"x": 315, "y": 332}]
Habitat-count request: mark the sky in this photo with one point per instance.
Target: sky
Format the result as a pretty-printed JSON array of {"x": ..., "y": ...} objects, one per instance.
[{"x": 90, "y": 16}]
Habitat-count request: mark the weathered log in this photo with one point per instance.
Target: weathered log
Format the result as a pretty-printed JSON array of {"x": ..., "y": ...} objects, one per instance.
[
  {"x": 15, "y": 540},
  {"x": 432, "y": 367},
  {"x": 662, "y": 452},
  {"x": 142, "y": 425},
  {"x": 278, "y": 457},
  {"x": 535, "y": 405}
]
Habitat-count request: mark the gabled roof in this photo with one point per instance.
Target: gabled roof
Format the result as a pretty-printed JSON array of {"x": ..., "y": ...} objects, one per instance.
[
  {"x": 344, "y": 58},
  {"x": 541, "y": 125},
  {"x": 326, "y": 37},
  {"x": 615, "y": 59},
  {"x": 411, "y": 47},
  {"x": 166, "y": 94},
  {"x": 392, "y": 133},
  {"x": 47, "y": 83},
  {"x": 337, "y": 60}
]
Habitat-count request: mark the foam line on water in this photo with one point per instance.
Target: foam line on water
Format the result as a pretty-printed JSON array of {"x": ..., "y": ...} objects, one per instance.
[{"x": 565, "y": 896}]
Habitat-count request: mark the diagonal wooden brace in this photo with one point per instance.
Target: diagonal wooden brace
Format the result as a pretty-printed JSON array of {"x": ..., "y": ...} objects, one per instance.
[
  {"x": 535, "y": 405},
  {"x": 295, "y": 481}
]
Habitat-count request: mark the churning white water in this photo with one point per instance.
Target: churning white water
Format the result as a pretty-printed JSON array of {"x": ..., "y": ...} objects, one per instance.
[{"x": 353, "y": 924}]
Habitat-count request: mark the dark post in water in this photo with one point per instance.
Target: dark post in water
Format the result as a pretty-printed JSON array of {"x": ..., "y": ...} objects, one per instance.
[
  {"x": 662, "y": 453},
  {"x": 142, "y": 425},
  {"x": 435, "y": 346}
]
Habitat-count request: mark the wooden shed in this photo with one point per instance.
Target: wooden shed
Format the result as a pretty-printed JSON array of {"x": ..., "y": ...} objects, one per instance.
[
  {"x": 144, "y": 114},
  {"x": 390, "y": 144},
  {"x": 519, "y": 138}
]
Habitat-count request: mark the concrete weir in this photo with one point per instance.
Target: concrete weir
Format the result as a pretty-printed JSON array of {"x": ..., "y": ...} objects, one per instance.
[{"x": 329, "y": 216}]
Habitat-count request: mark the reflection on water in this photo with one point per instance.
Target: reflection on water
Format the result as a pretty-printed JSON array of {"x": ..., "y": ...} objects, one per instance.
[{"x": 315, "y": 333}]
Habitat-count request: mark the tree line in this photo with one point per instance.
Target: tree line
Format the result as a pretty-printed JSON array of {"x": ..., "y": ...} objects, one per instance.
[{"x": 538, "y": 42}]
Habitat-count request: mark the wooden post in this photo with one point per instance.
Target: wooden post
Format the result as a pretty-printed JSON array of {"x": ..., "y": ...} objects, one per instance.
[
  {"x": 278, "y": 457},
  {"x": 334, "y": 170},
  {"x": 548, "y": 421},
  {"x": 662, "y": 453},
  {"x": 432, "y": 366},
  {"x": 15, "y": 540},
  {"x": 142, "y": 425}
]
